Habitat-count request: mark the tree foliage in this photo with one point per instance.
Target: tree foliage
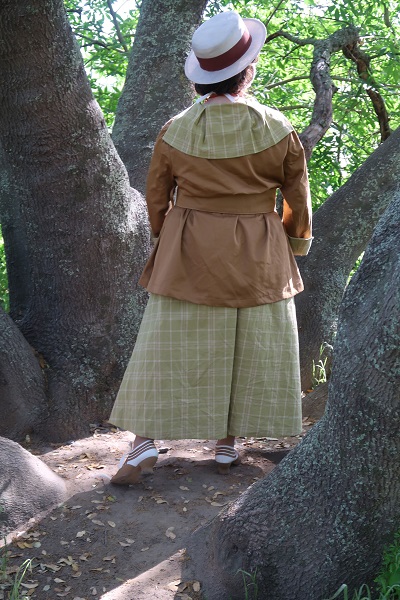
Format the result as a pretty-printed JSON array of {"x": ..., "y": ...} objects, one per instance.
[
  {"x": 284, "y": 82},
  {"x": 105, "y": 31},
  {"x": 283, "y": 69}
]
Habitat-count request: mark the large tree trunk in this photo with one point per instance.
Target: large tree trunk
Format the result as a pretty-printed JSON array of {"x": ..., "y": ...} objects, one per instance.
[
  {"x": 81, "y": 231},
  {"x": 156, "y": 87},
  {"x": 325, "y": 513},
  {"x": 342, "y": 228}
]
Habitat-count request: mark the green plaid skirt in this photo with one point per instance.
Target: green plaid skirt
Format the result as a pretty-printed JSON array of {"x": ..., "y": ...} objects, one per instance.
[{"x": 207, "y": 372}]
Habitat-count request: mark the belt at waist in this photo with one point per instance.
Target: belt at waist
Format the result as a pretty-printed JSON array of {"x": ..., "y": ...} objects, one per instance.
[{"x": 240, "y": 204}]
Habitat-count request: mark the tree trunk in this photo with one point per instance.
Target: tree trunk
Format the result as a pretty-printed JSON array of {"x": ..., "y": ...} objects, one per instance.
[
  {"x": 323, "y": 516},
  {"x": 22, "y": 382},
  {"x": 81, "y": 232},
  {"x": 27, "y": 486},
  {"x": 156, "y": 87},
  {"x": 342, "y": 228}
]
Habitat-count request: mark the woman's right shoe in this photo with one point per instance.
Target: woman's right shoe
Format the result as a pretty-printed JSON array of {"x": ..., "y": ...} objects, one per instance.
[
  {"x": 138, "y": 460},
  {"x": 225, "y": 456}
]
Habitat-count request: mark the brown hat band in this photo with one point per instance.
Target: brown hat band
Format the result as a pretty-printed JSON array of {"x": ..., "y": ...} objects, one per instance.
[{"x": 227, "y": 58}]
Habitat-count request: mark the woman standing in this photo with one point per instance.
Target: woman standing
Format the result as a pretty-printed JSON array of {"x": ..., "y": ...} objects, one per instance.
[{"x": 217, "y": 351}]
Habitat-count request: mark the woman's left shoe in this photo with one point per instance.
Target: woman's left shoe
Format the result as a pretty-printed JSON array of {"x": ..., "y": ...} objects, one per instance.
[
  {"x": 225, "y": 456},
  {"x": 132, "y": 465}
]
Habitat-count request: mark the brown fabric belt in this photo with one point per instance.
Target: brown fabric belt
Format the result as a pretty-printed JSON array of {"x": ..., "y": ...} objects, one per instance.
[{"x": 240, "y": 204}]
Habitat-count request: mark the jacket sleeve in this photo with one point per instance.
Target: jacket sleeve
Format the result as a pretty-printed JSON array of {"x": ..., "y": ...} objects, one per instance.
[
  {"x": 160, "y": 183},
  {"x": 297, "y": 212}
]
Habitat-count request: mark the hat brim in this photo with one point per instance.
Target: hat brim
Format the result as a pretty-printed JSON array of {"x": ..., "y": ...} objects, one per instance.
[{"x": 195, "y": 73}]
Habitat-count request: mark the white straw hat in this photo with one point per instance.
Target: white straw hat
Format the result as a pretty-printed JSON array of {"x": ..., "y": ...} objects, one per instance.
[{"x": 223, "y": 46}]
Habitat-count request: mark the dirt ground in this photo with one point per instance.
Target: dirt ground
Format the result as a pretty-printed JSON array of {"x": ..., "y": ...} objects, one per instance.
[{"x": 113, "y": 543}]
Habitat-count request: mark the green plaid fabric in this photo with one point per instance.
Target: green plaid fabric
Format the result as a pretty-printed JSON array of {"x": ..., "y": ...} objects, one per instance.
[
  {"x": 227, "y": 130},
  {"x": 206, "y": 372}
]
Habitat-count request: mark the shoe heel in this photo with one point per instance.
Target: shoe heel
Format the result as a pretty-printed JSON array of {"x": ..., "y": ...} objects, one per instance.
[
  {"x": 147, "y": 464},
  {"x": 127, "y": 475},
  {"x": 141, "y": 459},
  {"x": 223, "y": 469}
]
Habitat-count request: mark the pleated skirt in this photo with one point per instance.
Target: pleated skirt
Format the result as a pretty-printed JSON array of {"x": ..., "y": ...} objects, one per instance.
[{"x": 207, "y": 372}]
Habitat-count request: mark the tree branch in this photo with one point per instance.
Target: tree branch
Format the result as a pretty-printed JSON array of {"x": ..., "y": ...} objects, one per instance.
[
  {"x": 321, "y": 80},
  {"x": 295, "y": 107},
  {"x": 301, "y": 77},
  {"x": 117, "y": 27},
  {"x": 275, "y": 10},
  {"x": 362, "y": 61},
  {"x": 97, "y": 42},
  {"x": 284, "y": 81},
  {"x": 291, "y": 38}
]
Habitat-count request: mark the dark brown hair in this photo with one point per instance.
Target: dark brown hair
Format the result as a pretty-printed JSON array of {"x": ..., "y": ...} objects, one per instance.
[{"x": 233, "y": 85}]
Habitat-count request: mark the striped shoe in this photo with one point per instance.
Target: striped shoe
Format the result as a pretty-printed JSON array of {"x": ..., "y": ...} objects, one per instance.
[
  {"x": 225, "y": 456},
  {"x": 138, "y": 460}
]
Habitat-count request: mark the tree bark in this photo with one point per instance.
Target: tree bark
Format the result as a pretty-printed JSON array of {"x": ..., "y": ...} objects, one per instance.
[
  {"x": 342, "y": 228},
  {"x": 81, "y": 232},
  {"x": 27, "y": 486},
  {"x": 22, "y": 383},
  {"x": 156, "y": 88},
  {"x": 323, "y": 516}
]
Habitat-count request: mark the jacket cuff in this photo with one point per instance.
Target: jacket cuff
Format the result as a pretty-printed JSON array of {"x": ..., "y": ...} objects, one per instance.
[{"x": 300, "y": 246}]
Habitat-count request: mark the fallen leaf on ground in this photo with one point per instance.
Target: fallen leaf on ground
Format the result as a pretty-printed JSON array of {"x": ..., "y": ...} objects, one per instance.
[
  {"x": 170, "y": 533},
  {"x": 173, "y": 585},
  {"x": 50, "y": 566},
  {"x": 30, "y": 586},
  {"x": 85, "y": 556}
]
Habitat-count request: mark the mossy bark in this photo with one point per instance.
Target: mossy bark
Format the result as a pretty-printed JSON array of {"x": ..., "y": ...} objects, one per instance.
[
  {"x": 70, "y": 218},
  {"x": 156, "y": 88},
  {"x": 323, "y": 516},
  {"x": 342, "y": 228}
]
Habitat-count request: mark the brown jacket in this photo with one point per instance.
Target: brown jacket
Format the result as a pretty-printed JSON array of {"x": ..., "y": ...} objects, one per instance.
[{"x": 223, "y": 243}]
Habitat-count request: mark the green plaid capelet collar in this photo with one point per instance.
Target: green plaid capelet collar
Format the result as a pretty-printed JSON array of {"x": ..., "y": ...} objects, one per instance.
[{"x": 227, "y": 130}]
